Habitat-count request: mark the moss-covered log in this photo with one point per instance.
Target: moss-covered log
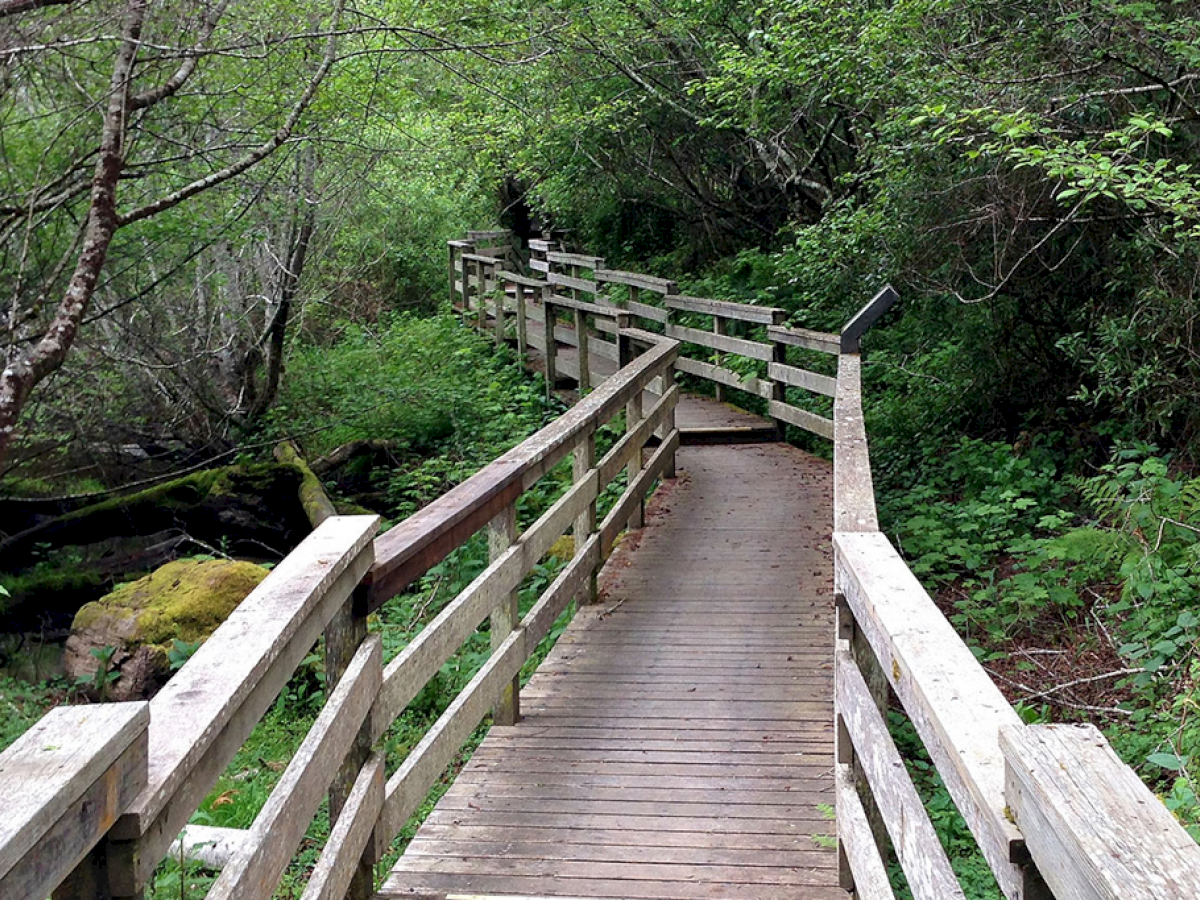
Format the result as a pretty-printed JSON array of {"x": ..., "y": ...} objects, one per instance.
[
  {"x": 249, "y": 505},
  {"x": 313, "y": 499}
]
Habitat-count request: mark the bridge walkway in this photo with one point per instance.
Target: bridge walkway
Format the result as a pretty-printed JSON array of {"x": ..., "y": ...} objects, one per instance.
[{"x": 678, "y": 741}]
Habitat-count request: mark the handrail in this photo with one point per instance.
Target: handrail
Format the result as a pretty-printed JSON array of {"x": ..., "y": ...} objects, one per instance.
[{"x": 1037, "y": 831}]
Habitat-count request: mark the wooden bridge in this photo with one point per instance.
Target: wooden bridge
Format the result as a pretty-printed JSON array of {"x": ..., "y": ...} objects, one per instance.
[{"x": 722, "y": 689}]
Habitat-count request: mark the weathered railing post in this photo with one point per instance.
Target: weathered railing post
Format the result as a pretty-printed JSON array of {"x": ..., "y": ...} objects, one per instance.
[
  {"x": 633, "y": 416},
  {"x": 586, "y": 524},
  {"x": 779, "y": 357},
  {"x": 585, "y": 365},
  {"x": 548, "y": 317},
  {"x": 719, "y": 329},
  {"x": 481, "y": 295},
  {"x": 500, "y": 292},
  {"x": 344, "y": 636},
  {"x": 505, "y": 618},
  {"x": 522, "y": 323}
]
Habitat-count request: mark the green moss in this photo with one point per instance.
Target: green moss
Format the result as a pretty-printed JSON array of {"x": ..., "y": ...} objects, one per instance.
[{"x": 185, "y": 599}]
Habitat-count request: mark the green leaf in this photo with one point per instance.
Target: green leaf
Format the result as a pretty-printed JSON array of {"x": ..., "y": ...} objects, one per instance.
[{"x": 1166, "y": 761}]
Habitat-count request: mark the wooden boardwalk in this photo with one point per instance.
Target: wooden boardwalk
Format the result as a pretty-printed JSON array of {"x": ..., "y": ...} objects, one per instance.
[{"x": 678, "y": 742}]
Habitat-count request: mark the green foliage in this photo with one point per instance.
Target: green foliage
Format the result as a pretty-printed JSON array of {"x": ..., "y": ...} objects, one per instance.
[{"x": 104, "y": 675}]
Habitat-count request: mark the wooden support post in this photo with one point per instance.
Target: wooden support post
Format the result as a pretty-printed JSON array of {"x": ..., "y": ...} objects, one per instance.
[
  {"x": 585, "y": 525},
  {"x": 500, "y": 294},
  {"x": 877, "y": 683},
  {"x": 778, "y": 355},
  {"x": 551, "y": 345},
  {"x": 719, "y": 328},
  {"x": 625, "y": 354},
  {"x": 505, "y": 618},
  {"x": 522, "y": 323},
  {"x": 585, "y": 366},
  {"x": 481, "y": 297},
  {"x": 843, "y": 748},
  {"x": 633, "y": 416},
  {"x": 453, "y": 273},
  {"x": 343, "y": 637}
]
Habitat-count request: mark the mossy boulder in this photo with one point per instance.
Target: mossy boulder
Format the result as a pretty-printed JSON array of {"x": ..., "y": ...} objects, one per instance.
[{"x": 184, "y": 600}]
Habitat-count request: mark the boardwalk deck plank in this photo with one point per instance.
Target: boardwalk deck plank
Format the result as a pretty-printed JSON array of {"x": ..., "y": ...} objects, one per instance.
[{"x": 677, "y": 743}]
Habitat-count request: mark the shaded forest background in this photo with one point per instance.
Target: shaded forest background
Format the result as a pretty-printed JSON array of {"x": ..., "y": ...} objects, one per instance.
[{"x": 275, "y": 182}]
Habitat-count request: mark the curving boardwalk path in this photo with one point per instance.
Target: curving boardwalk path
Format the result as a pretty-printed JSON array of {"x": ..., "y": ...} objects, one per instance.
[{"x": 678, "y": 742}]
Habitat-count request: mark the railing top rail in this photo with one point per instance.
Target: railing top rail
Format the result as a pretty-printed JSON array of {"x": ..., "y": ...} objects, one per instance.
[{"x": 425, "y": 538}]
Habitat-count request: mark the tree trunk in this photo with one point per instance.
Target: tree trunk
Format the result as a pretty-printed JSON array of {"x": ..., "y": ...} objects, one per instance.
[{"x": 24, "y": 369}]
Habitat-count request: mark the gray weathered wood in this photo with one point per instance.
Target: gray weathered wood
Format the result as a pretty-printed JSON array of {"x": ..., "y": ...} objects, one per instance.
[
  {"x": 539, "y": 265},
  {"x": 1094, "y": 829},
  {"x": 853, "y": 487},
  {"x": 577, "y": 284},
  {"x": 628, "y": 448},
  {"x": 575, "y": 259},
  {"x": 866, "y": 317},
  {"x": 722, "y": 376},
  {"x": 502, "y": 532},
  {"x": 857, "y": 843},
  {"x": 956, "y": 708},
  {"x": 646, "y": 311},
  {"x": 583, "y": 348},
  {"x": 656, "y": 467},
  {"x": 637, "y": 280},
  {"x": 416, "y": 775},
  {"x": 206, "y": 711},
  {"x": 592, "y": 309},
  {"x": 350, "y": 836},
  {"x": 926, "y": 867},
  {"x": 522, "y": 280},
  {"x": 820, "y": 341},
  {"x": 254, "y": 873},
  {"x": 801, "y": 418},
  {"x": 344, "y": 636},
  {"x": 561, "y": 592},
  {"x": 583, "y": 466},
  {"x": 633, "y": 423},
  {"x": 741, "y": 312},
  {"x": 802, "y": 378},
  {"x": 63, "y": 783},
  {"x": 740, "y": 346}
]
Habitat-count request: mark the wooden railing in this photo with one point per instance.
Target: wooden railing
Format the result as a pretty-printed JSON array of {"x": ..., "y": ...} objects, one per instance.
[
  {"x": 1052, "y": 809},
  {"x": 100, "y": 793},
  {"x": 94, "y": 796}
]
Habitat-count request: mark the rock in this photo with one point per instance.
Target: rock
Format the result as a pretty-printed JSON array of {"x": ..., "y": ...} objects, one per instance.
[{"x": 185, "y": 600}]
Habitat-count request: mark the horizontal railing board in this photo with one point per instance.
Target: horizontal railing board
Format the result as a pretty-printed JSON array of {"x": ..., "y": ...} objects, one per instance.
[
  {"x": 462, "y": 245},
  {"x": 820, "y": 341},
  {"x": 350, "y": 836},
  {"x": 623, "y": 450},
  {"x": 540, "y": 246},
  {"x": 132, "y": 861},
  {"x": 424, "y": 539},
  {"x": 483, "y": 259},
  {"x": 410, "y": 784},
  {"x": 637, "y": 280},
  {"x": 740, "y": 346},
  {"x": 926, "y": 866},
  {"x": 190, "y": 712},
  {"x": 425, "y": 655},
  {"x": 857, "y": 842},
  {"x": 61, "y": 793},
  {"x": 575, "y": 259},
  {"x": 1094, "y": 829},
  {"x": 724, "y": 309},
  {"x": 524, "y": 280},
  {"x": 649, "y": 338},
  {"x": 646, "y": 311},
  {"x": 539, "y": 265},
  {"x": 719, "y": 374},
  {"x": 592, "y": 309},
  {"x": 853, "y": 487},
  {"x": 494, "y": 234},
  {"x": 956, "y": 708},
  {"x": 541, "y": 617},
  {"x": 802, "y": 378},
  {"x": 614, "y": 523},
  {"x": 801, "y": 418},
  {"x": 569, "y": 281},
  {"x": 254, "y": 871}
]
